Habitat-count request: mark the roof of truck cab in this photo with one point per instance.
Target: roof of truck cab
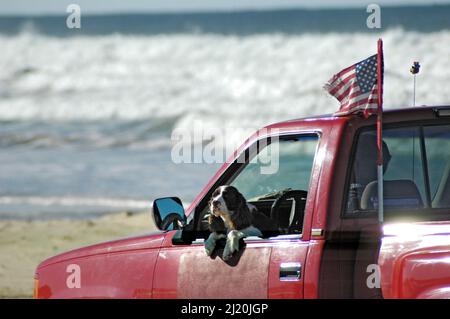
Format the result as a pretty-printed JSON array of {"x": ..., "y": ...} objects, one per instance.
[{"x": 415, "y": 113}]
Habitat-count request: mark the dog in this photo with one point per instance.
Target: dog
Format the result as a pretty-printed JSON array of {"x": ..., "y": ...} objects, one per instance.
[{"x": 231, "y": 217}]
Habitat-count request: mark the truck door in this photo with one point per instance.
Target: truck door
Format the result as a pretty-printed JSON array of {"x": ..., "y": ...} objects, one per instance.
[
  {"x": 185, "y": 271},
  {"x": 287, "y": 267},
  {"x": 272, "y": 267},
  {"x": 265, "y": 268}
]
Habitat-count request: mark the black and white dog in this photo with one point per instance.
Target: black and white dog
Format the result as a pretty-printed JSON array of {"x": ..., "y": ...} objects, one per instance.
[{"x": 231, "y": 217}]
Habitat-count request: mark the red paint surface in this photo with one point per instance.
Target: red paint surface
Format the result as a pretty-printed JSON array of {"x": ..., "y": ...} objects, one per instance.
[
  {"x": 415, "y": 260},
  {"x": 150, "y": 266},
  {"x": 184, "y": 271},
  {"x": 119, "y": 269}
]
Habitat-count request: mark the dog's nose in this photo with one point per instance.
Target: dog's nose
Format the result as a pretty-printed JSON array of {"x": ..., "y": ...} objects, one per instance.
[{"x": 215, "y": 203}]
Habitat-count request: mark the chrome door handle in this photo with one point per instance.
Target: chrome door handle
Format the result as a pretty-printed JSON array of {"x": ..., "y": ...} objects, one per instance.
[{"x": 290, "y": 271}]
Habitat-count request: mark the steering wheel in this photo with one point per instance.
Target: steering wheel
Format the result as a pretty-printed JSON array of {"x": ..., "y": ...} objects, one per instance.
[{"x": 297, "y": 195}]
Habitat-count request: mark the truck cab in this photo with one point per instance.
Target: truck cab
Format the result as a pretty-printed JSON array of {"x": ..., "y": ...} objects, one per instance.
[{"x": 320, "y": 192}]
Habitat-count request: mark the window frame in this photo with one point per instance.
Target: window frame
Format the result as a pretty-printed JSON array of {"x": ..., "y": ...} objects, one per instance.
[
  {"x": 280, "y": 138},
  {"x": 234, "y": 167},
  {"x": 426, "y": 213}
]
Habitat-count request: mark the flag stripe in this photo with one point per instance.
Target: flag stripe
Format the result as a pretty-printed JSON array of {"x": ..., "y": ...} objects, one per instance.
[
  {"x": 363, "y": 102},
  {"x": 351, "y": 91},
  {"x": 355, "y": 97},
  {"x": 337, "y": 86},
  {"x": 338, "y": 78},
  {"x": 356, "y": 87}
]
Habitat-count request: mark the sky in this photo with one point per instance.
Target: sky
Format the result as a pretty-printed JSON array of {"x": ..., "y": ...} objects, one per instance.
[{"x": 58, "y": 7}]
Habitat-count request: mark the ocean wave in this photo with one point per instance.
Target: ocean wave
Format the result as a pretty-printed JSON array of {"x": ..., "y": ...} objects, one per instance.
[
  {"x": 41, "y": 208},
  {"x": 149, "y": 134},
  {"x": 93, "y": 115},
  {"x": 75, "y": 201},
  {"x": 179, "y": 80}
]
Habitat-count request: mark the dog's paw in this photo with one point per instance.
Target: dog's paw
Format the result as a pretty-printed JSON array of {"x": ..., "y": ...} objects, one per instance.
[
  {"x": 228, "y": 250},
  {"x": 227, "y": 254},
  {"x": 226, "y": 257},
  {"x": 210, "y": 244},
  {"x": 208, "y": 252},
  {"x": 234, "y": 237},
  {"x": 232, "y": 244},
  {"x": 209, "y": 247},
  {"x": 234, "y": 240}
]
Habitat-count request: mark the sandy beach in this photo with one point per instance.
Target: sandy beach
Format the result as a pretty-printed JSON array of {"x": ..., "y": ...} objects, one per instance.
[{"x": 24, "y": 244}]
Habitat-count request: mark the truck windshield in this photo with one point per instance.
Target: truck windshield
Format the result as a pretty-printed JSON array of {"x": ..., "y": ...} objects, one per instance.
[
  {"x": 283, "y": 164},
  {"x": 416, "y": 169}
]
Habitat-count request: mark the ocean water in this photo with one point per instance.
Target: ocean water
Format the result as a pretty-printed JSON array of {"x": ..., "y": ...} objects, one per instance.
[{"x": 86, "y": 116}]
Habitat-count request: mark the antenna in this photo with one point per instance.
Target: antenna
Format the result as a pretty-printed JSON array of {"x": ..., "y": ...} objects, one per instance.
[{"x": 414, "y": 71}]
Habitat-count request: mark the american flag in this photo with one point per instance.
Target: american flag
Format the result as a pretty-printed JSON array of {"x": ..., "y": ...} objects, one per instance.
[{"x": 356, "y": 87}]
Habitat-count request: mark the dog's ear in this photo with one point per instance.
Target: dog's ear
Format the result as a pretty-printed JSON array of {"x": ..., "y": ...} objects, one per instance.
[
  {"x": 242, "y": 217},
  {"x": 242, "y": 202}
]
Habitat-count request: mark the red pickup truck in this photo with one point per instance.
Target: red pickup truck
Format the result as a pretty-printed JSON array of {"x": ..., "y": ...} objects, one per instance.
[{"x": 323, "y": 194}]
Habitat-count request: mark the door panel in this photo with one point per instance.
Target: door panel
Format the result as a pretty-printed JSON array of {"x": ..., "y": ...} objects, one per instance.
[
  {"x": 184, "y": 271},
  {"x": 187, "y": 272},
  {"x": 287, "y": 254}
]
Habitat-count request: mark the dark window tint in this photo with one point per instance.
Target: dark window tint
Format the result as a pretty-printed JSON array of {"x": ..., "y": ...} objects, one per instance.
[
  {"x": 437, "y": 141},
  {"x": 416, "y": 169}
]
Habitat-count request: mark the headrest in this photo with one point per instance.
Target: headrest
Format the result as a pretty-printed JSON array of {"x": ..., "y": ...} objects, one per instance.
[
  {"x": 397, "y": 194},
  {"x": 365, "y": 165}
]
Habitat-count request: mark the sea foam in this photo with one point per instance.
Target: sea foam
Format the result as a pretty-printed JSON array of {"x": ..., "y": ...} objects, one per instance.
[
  {"x": 249, "y": 80},
  {"x": 86, "y": 119}
]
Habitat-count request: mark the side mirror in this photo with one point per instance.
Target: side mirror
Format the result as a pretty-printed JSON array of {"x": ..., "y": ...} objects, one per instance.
[{"x": 168, "y": 213}]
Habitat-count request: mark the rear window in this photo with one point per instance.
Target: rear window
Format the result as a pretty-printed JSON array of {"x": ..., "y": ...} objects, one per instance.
[
  {"x": 416, "y": 170},
  {"x": 437, "y": 143}
]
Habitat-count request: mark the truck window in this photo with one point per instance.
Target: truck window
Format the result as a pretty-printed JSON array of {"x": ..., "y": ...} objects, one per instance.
[
  {"x": 273, "y": 175},
  {"x": 282, "y": 168},
  {"x": 291, "y": 160},
  {"x": 416, "y": 170},
  {"x": 437, "y": 142}
]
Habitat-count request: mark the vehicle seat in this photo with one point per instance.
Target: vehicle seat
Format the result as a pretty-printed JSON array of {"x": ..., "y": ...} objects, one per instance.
[
  {"x": 397, "y": 193},
  {"x": 442, "y": 197}
]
